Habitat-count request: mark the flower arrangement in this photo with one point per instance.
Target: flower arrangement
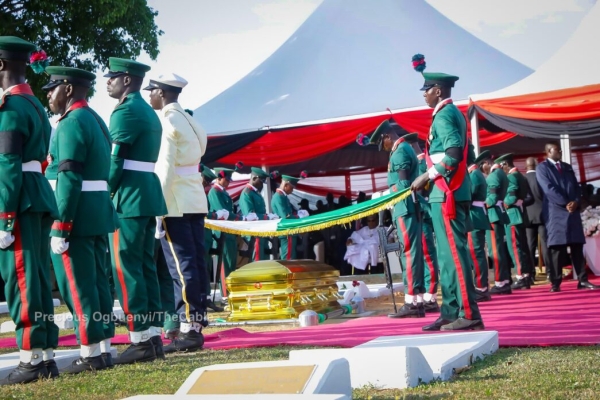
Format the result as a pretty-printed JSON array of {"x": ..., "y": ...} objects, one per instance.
[
  {"x": 590, "y": 217},
  {"x": 39, "y": 61},
  {"x": 355, "y": 283}
]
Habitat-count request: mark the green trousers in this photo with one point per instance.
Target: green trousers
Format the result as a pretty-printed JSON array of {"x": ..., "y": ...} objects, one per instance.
[
  {"x": 284, "y": 241},
  {"x": 259, "y": 245},
  {"x": 456, "y": 274},
  {"x": 25, "y": 269},
  {"x": 82, "y": 281},
  {"x": 229, "y": 260},
  {"x": 169, "y": 318},
  {"x": 479, "y": 257},
  {"x": 134, "y": 270},
  {"x": 497, "y": 252},
  {"x": 410, "y": 233},
  {"x": 516, "y": 240},
  {"x": 431, "y": 267}
]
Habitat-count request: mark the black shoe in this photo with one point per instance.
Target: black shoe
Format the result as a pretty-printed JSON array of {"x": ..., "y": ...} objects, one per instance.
[
  {"x": 501, "y": 289},
  {"x": 158, "y": 347},
  {"x": 437, "y": 324},
  {"x": 555, "y": 289},
  {"x": 186, "y": 342},
  {"x": 211, "y": 305},
  {"x": 25, "y": 373},
  {"x": 171, "y": 333},
  {"x": 137, "y": 352},
  {"x": 83, "y": 364},
  {"x": 463, "y": 324},
  {"x": 482, "y": 296},
  {"x": 587, "y": 285},
  {"x": 52, "y": 368},
  {"x": 523, "y": 283},
  {"x": 410, "y": 311},
  {"x": 431, "y": 306},
  {"x": 108, "y": 361}
]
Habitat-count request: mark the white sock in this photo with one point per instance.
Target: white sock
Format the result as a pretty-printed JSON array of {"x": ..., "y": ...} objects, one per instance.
[
  {"x": 519, "y": 277},
  {"x": 185, "y": 327},
  {"x": 92, "y": 350},
  {"x": 482, "y": 289},
  {"x": 48, "y": 354},
  {"x": 409, "y": 299},
  {"x": 500, "y": 284},
  {"x": 506, "y": 282},
  {"x": 137, "y": 337},
  {"x": 428, "y": 297},
  {"x": 33, "y": 356},
  {"x": 419, "y": 298},
  {"x": 105, "y": 346}
]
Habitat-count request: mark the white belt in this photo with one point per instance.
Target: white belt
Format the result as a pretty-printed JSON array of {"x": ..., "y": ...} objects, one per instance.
[
  {"x": 436, "y": 158},
  {"x": 187, "y": 170},
  {"x": 480, "y": 204},
  {"x": 500, "y": 204},
  {"x": 140, "y": 166},
  {"x": 87, "y": 186},
  {"x": 32, "y": 166}
]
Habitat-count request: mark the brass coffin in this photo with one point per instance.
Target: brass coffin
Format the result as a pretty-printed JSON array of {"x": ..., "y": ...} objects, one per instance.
[{"x": 281, "y": 289}]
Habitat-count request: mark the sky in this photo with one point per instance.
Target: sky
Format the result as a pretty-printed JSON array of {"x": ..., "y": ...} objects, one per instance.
[{"x": 213, "y": 44}]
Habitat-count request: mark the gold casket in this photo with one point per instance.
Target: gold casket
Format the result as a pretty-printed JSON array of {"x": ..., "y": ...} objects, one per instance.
[{"x": 281, "y": 289}]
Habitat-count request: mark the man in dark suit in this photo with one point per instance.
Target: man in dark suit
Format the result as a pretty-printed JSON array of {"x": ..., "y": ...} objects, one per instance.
[
  {"x": 561, "y": 214},
  {"x": 535, "y": 226}
]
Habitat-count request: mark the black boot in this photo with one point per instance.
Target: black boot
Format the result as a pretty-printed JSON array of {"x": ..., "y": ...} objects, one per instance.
[
  {"x": 25, "y": 373},
  {"x": 137, "y": 352},
  {"x": 186, "y": 342},
  {"x": 52, "y": 368},
  {"x": 212, "y": 306},
  {"x": 436, "y": 325},
  {"x": 501, "y": 289},
  {"x": 523, "y": 283},
  {"x": 463, "y": 324},
  {"x": 83, "y": 364},
  {"x": 108, "y": 361},
  {"x": 482, "y": 296},
  {"x": 171, "y": 333},
  {"x": 158, "y": 347},
  {"x": 431, "y": 306},
  {"x": 410, "y": 311}
]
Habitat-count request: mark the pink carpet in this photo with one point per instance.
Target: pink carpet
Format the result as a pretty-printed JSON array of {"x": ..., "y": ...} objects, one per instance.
[{"x": 533, "y": 317}]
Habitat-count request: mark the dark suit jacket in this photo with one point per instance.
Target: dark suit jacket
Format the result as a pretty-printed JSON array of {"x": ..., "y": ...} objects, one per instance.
[
  {"x": 562, "y": 227},
  {"x": 534, "y": 199}
]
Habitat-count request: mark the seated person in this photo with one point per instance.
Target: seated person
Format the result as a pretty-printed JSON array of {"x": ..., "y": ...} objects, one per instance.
[{"x": 363, "y": 245}]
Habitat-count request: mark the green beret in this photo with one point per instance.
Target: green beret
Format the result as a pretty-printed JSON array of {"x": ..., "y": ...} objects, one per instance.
[
  {"x": 208, "y": 174},
  {"x": 15, "y": 48},
  {"x": 73, "y": 76},
  {"x": 290, "y": 179},
  {"x": 120, "y": 66},
  {"x": 438, "y": 78},
  {"x": 259, "y": 172},
  {"x": 411, "y": 137},
  {"x": 484, "y": 155},
  {"x": 505, "y": 157},
  {"x": 224, "y": 173}
]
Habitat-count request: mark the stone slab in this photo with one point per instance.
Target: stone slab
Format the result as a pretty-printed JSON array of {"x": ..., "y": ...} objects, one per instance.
[
  {"x": 444, "y": 352},
  {"x": 329, "y": 377},
  {"x": 374, "y": 290},
  {"x": 384, "y": 368},
  {"x": 242, "y": 397},
  {"x": 62, "y": 320},
  {"x": 63, "y": 358},
  {"x": 4, "y": 306}
]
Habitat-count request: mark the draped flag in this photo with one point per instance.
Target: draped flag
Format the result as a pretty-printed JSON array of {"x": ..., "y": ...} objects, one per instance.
[{"x": 283, "y": 227}]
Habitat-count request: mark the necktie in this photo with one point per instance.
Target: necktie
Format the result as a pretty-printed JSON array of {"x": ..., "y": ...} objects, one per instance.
[{"x": 558, "y": 167}]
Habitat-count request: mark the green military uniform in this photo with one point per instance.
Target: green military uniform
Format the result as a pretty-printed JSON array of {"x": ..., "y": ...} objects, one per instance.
[
  {"x": 431, "y": 270},
  {"x": 480, "y": 222},
  {"x": 135, "y": 132},
  {"x": 516, "y": 235},
  {"x": 497, "y": 183},
  {"x": 78, "y": 168},
  {"x": 208, "y": 176},
  {"x": 283, "y": 208},
  {"x": 27, "y": 209},
  {"x": 450, "y": 200},
  {"x": 252, "y": 202}
]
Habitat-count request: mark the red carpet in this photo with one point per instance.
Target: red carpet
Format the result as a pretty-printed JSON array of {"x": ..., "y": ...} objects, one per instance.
[{"x": 533, "y": 317}]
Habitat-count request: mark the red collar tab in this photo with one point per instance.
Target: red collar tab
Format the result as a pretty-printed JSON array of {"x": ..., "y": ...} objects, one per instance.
[{"x": 22, "y": 88}]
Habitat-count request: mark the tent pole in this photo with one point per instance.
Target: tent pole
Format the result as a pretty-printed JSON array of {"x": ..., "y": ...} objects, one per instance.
[
  {"x": 267, "y": 194},
  {"x": 475, "y": 132},
  {"x": 565, "y": 144}
]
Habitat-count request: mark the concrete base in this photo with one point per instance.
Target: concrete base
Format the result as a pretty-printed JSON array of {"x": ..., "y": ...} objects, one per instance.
[
  {"x": 373, "y": 290},
  {"x": 242, "y": 397},
  {"x": 328, "y": 377},
  {"x": 9, "y": 361},
  {"x": 4, "y": 306}
]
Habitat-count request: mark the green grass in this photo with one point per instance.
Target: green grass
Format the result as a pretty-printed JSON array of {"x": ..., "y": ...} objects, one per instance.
[{"x": 530, "y": 373}]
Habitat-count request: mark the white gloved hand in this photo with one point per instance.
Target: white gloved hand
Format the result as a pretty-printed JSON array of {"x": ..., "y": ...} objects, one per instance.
[
  {"x": 251, "y": 217},
  {"x": 59, "y": 245},
  {"x": 273, "y": 216},
  {"x": 303, "y": 214},
  {"x": 6, "y": 239},
  {"x": 222, "y": 214},
  {"x": 159, "y": 232}
]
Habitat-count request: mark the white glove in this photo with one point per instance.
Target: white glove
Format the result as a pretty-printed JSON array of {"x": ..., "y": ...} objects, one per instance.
[
  {"x": 303, "y": 214},
  {"x": 273, "y": 216},
  {"x": 222, "y": 214},
  {"x": 6, "y": 239},
  {"x": 159, "y": 232},
  {"x": 58, "y": 245},
  {"x": 251, "y": 217}
]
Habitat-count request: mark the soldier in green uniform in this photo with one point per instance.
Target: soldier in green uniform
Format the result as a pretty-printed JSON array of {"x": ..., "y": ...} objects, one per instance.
[
  {"x": 446, "y": 155},
  {"x": 283, "y": 208},
  {"x": 497, "y": 183},
  {"x": 78, "y": 171},
  {"x": 27, "y": 209},
  {"x": 516, "y": 237},
  {"x": 135, "y": 132},
  {"x": 403, "y": 168},
  {"x": 251, "y": 201},
  {"x": 481, "y": 225}
]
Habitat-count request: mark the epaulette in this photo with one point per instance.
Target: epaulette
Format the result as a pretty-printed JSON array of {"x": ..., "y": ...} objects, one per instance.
[{"x": 3, "y": 99}]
